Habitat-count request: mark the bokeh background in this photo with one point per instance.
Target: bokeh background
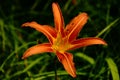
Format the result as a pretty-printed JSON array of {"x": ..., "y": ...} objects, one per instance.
[{"x": 92, "y": 63}]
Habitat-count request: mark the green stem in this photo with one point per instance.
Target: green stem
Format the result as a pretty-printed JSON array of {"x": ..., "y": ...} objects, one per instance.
[{"x": 55, "y": 68}]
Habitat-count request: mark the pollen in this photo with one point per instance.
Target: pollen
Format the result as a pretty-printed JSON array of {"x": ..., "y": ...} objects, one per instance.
[{"x": 60, "y": 44}]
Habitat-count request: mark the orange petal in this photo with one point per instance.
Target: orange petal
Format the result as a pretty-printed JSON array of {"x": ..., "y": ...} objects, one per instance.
[
  {"x": 86, "y": 42},
  {"x": 45, "y": 29},
  {"x": 67, "y": 60},
  {"x": 75, "y": 26},
  {"x": 58, "y": 18},
  {"x": 37, "y": 49}
]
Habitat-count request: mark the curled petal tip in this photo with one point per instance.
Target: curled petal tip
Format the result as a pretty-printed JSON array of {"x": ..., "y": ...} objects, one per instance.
[
  {"x": 28, "y": 23},
  {"x": 23, "y": 57},
  {"x": 105, "y": 44},
  {"x": 102, "y": 42},
  {"x": 84, "y": 14},
  {"x": 24, "y": 25},
  {"x": 74, "y": 76}
]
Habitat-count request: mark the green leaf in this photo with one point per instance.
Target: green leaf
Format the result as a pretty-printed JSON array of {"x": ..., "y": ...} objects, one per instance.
[
  {"x": 85, "y": 57},
  {"x": 113, "y": 68}
]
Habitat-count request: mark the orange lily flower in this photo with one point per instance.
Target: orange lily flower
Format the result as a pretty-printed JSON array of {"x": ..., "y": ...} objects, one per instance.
[{"x": 62, "y": 39}]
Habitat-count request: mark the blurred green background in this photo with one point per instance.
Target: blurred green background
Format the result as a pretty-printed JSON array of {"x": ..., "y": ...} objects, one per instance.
[{"x": 92, "y": 63}]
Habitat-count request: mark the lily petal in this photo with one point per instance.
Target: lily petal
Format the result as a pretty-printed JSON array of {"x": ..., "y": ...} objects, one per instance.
[
  {"x": 86, "y": 42},
  {"x": 37, "y": 49},
  {"x": 58, "y": 18},
  {"x": 67, "y": 60},
  {"x": 75, "y": 26},
  {"x": 45, "y": 29}
]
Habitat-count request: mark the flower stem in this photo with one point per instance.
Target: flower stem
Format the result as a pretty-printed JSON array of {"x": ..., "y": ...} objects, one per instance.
[{"x": 55, "y": 68}]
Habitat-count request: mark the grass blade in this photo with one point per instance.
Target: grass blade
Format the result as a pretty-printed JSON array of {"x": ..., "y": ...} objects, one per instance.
[
  {"x": 85, "y": 57},
  {"x": 107, "y": 27},
  {"x": 113, "y": 68},
  {"x": 1, "y": 67}
]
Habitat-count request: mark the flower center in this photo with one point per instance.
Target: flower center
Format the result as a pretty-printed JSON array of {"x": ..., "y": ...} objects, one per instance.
[{"x": 60, "y": 44}]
